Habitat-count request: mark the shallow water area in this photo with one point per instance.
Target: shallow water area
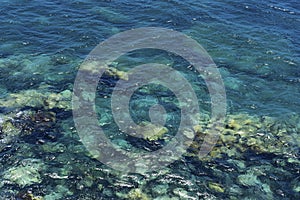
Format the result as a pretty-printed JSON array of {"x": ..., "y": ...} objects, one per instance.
[{"x": 255, "y": 46}]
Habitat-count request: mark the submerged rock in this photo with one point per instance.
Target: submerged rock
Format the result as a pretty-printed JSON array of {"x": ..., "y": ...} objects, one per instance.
[
  {"x": 216, "y": 187},
  {"x": 29, "y": 196},
  {"x": 92, "y": 67},
  {"x": 248, "y": 180},
  {"x": 183, "y": 194},
  {"x": 243, "y": 132},
  {"x": 38, "y": 99},
  {"x": 26, "y": 173},
  {"x": 60, "y": 192},
  {"x": 137, "y": 194},
  {"x": 7, "y": 128},
  {"x": 160, "y": 189},
  {"x": 151, "y": 131}
]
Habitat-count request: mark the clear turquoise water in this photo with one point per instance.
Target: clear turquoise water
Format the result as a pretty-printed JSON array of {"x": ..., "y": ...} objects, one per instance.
[{"x": 255, "y": 45}]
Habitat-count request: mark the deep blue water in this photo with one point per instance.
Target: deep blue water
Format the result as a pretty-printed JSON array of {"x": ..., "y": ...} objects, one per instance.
[{"x": 255, "y": 45}]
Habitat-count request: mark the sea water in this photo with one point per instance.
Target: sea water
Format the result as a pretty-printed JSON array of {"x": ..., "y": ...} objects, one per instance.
[{"x": 255, "y": 46}]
